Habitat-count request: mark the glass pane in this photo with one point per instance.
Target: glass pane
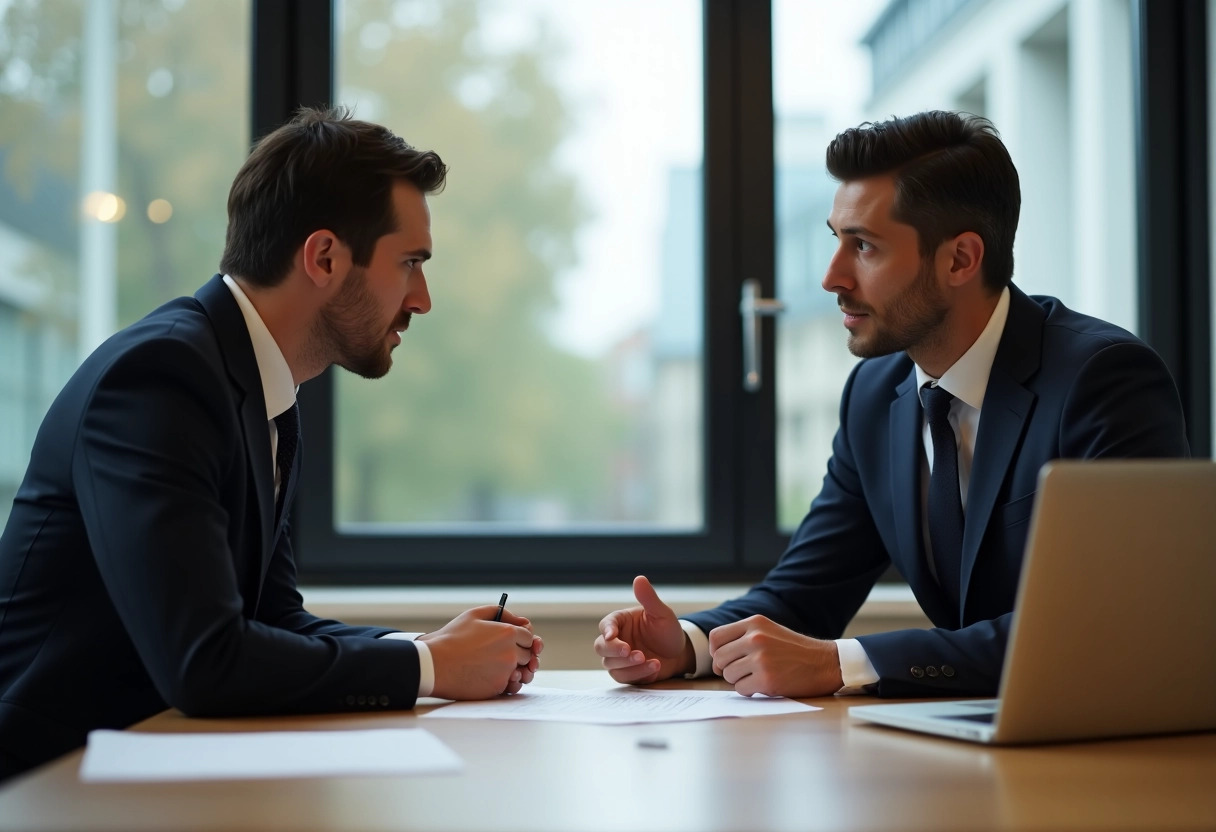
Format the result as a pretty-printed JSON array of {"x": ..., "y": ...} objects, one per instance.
[
  {"x": 121, "y": 124},
  {"x": 557, "y": 384},
  {"x": 1056, "y": 80}
]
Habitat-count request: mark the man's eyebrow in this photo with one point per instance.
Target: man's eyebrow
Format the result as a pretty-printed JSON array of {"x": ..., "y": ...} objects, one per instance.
[
  {"x": 420, "y": 253},
  {"x": 855, "y": 231}
]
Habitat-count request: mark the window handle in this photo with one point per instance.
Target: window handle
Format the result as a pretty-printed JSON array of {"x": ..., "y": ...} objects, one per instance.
[{"x": 751, "y": 307}]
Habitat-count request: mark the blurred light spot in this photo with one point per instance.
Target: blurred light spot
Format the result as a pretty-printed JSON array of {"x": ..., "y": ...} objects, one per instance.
[
  {"x": 408, "y": 14},
  {"x": 375, "y": 35},
  {"x": 160, "y": 210},
  {"x": 104, "y": 206},
  {"x": 160, "y": 83},
  {"x": 17, "y": 75},
  {"x": 476, "y": 91}
]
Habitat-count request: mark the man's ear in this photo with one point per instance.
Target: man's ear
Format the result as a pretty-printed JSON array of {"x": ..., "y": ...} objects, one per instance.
[
  {"x": 964, "y": 258},
  {"x": 326, "y": 258}
]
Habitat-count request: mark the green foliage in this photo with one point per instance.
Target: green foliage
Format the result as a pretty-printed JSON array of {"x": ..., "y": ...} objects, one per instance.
[
  {"x": 482, "y": 411},
  {"x": 480, "y": 408}
]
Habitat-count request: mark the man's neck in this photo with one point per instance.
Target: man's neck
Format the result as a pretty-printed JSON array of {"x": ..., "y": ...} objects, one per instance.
[{"x": 938, "y": 352}]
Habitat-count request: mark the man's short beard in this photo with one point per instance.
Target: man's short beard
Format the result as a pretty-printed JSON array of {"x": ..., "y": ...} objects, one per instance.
[
  {"x": 912, "y": 316},
  {"x": 342, "y": 329}
]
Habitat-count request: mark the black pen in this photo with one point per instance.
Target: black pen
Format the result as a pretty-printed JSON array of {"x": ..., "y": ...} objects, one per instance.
[{"x": 502, "y": 602}]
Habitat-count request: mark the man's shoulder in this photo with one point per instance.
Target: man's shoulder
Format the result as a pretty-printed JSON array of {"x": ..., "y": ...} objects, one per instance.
[
  {"x": 1068, "y": 326},
  {"x": 177, "y": 337}
]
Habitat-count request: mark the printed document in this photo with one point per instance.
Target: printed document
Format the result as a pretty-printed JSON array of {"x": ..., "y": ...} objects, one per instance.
[
  {"x": 127, "y": 756},
  {"x": 619, "y": 706}
]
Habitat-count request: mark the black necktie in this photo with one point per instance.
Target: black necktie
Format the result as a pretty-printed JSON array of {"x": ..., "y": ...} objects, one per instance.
[
  {"x": 288, "y": 424},
  {"x": 945, "y": 504}
]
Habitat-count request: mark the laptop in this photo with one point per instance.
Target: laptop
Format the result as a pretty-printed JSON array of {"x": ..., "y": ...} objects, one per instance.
[{"x": 1114, "y": 631}]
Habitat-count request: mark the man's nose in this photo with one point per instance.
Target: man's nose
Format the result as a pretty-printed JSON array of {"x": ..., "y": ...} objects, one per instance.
[
  {"x": 418, "y": 298},
  {"x": 837, "y": 278}
]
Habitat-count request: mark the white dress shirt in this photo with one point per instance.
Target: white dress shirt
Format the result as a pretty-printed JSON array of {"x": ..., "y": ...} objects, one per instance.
[
  {"x": 279, "y": 391},
  {"x": 966, "y": 380}
]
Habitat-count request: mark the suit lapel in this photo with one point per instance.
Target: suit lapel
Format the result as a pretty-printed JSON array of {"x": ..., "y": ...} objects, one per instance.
[
  {"x": 233, "y": 336},
  {"x": 1003, "y": 418},
  {"x": 905, "y": 443}
]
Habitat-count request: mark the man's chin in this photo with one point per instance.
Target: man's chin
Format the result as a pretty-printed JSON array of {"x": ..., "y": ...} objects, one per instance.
[
  {"x": 369, "y": 369},
  {"x": 869, "y": 348}
]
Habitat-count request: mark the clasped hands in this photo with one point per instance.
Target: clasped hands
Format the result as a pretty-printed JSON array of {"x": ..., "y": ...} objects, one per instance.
[
  {"x": 476, "y": 657},
  {"x": 646, "y": 644}
]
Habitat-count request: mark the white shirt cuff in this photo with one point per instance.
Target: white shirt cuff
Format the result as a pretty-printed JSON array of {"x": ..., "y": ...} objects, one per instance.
[
  {"x": 700, "y": 647},
  {"x": 426, "y": 665},
  {"x": 855, "y": 667}
]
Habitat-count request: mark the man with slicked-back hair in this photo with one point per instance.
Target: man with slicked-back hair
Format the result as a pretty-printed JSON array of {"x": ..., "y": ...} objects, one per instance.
[
  {"x": 967, "y": 388},
  {"x": 146, "y": 562}
]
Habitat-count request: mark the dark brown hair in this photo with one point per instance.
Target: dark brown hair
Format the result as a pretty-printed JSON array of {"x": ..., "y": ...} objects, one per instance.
[
  {"x": 322, "y": 169},
  {"x": 952, "y": 174}
]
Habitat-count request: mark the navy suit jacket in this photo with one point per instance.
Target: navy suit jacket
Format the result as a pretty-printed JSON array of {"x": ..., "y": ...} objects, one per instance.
[
  {"x": 142, "y": 566},
  {"x": 1063, "y": 385}
]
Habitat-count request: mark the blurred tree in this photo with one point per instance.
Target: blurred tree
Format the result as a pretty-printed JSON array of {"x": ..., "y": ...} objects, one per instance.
[{"x": 483, "y": 416}]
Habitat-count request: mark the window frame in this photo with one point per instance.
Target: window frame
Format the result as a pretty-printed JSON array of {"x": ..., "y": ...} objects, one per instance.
[{"x": 293, "y": 63}]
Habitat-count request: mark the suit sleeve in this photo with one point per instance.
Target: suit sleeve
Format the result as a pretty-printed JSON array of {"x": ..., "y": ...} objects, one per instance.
[
  {"x": 153, "y": 454},
  {"x": 282, "y": 606},
  {"x": 1122, "y": 404},
  {"x": 831, "y": 563}
]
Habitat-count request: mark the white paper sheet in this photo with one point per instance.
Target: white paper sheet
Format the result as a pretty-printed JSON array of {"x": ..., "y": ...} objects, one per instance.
[
  {"x": 619, "y": 706},
  {"x": 124, "y": 756}
]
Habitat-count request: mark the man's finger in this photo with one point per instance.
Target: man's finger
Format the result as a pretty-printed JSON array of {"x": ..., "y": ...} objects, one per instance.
[
  {"x": 725, "y": 634},
  {"x": 634, "y": 659},
  {"x": 636, "y": 675},
  {"x": 607, "y": 649},
  {"x": 509, "y": 617},
  {"x": 649, "y": 599}
]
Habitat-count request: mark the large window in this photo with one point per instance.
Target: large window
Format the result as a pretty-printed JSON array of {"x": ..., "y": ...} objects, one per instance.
[
  {"x": 577, "y": 407},
  {"x": 558, "y": 382},
  {"x": 121, "y": 123}
]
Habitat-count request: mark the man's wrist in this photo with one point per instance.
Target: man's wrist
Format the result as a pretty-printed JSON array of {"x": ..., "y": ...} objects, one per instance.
[{"x": 694, "y": 637}]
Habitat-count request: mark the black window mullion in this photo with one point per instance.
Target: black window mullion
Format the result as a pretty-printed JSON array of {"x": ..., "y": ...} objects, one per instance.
[
  {"x": 755, "y": 170},
  {"x": 1172, "y": 185}
]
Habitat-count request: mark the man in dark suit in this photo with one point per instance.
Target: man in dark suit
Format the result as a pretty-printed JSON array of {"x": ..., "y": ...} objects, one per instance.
[
  {"x": 146, "y": 562},
  {"x": 969, "y": 386}
]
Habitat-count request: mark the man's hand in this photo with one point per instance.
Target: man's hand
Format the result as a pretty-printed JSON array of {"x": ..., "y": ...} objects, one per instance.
[
  {"x": 477, "y": 657},
  {"x": 644, "y": 644},
  {"x": 758, "y": 656}
]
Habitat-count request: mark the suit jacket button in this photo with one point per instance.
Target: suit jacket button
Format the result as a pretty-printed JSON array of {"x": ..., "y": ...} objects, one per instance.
[
  {"x": 948, "y": 671},
  {"x": 362, "y": 700},
  {"x": 350, "y": 700},
  {"x": 917, "y": 672},
  {"x": 384, "y": 700},
  {"x": 931, "y": 672}
]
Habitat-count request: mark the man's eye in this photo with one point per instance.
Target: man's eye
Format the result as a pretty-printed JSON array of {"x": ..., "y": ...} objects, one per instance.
[{"x": 864, "y": 245}]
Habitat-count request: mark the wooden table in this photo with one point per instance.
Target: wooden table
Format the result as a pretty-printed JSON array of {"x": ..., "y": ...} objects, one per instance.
[{"x": 820, "y": 770}]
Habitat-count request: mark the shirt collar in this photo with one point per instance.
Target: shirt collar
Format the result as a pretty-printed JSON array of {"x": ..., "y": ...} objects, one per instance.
[
  {"x": 967, "y": 378},
  {"x": 278, "y": 388}
]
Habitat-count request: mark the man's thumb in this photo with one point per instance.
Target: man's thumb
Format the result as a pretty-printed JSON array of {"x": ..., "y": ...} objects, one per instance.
[{"x": 648, "y": 598}]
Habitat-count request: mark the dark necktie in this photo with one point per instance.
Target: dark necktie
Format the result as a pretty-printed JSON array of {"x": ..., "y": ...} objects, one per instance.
[
  {"x": 945, "y": 504},
  {"x": 288, "y": 424}
]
